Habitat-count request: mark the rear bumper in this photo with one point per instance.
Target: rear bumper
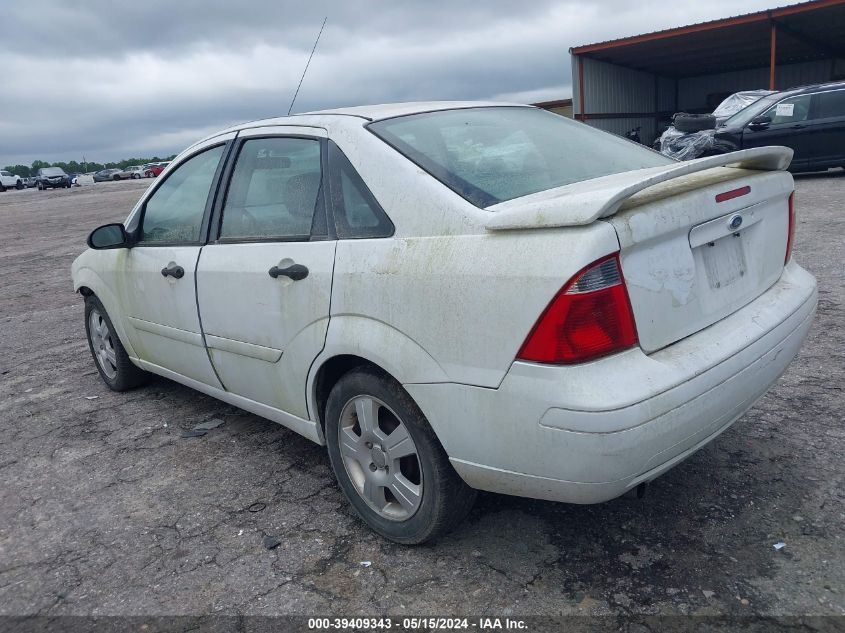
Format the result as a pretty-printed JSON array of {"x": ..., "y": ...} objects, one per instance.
[{"x": 588, "y": 433}]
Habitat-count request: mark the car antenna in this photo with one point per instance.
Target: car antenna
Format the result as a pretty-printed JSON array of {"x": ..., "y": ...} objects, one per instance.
[{"x": 307, "y": 64}]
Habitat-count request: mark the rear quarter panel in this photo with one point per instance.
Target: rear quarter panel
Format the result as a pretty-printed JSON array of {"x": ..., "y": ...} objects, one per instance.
[
  {"x": 443, "y": 300},
  {"x": 468, "y": 301}
]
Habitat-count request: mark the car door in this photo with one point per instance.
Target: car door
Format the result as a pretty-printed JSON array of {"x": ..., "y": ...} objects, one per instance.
[
  {"x": 827, "y": 129},
  {"x": 264, "y": 282},
  {"x": 788, "y": 127},
  {"x": 158, "y": 279}
]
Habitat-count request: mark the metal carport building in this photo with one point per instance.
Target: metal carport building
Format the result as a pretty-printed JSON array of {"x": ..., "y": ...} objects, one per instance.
[{"x": 641, "y": 81}]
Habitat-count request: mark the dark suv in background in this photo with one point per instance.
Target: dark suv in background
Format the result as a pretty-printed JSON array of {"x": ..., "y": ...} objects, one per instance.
[
  {"x": 810, "y": 120},
  {"x": 51, "y": 178}
]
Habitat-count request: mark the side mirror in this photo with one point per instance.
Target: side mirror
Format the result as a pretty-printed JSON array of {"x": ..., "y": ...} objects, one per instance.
[
  {"x": 760, "y": 122},
  {"x": 109, "y": 236}
]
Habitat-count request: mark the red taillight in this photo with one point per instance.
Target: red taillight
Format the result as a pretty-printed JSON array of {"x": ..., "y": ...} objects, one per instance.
[
  {"x": 590, "y": 317},
  {"x": 791, "y": 231}
]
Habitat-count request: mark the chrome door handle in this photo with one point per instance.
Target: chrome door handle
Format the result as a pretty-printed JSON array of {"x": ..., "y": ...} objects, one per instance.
[{"x": 294, "y": 271}]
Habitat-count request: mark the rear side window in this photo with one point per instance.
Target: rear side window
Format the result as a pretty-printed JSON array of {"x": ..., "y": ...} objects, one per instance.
[
  {"x": 830, "y": 104},
  {"x": 357, "y": 213},
  {"x": 489, "y": 155},
  {"x": 274, "y": 190}
]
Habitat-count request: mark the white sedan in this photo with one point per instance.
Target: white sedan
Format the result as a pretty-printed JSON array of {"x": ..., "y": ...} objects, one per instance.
[{"x": 456, "y": 297}]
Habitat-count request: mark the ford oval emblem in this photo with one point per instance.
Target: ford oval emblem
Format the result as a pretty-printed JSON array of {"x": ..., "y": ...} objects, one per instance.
[{"x": 735, "y": 222}]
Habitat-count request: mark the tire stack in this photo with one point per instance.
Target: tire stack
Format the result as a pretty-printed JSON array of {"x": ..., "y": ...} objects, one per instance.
[{"x": 690, "y": 123}]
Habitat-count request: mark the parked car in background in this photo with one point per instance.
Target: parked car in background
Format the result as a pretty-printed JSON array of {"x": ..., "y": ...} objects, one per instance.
[
  {"x": 51, "y": 178},
  {"x": 29, "y": 182},
  {"x": 155, "y": 169},
  {"x": 9, "y": 180},
  {"x": 135, "y": 172},
  {"x": 106, "y": 175},
  {"x": 693, "y": 135},
  {"x": 629, "y": 330},
  {"x": 809, "y": 120},
  {"x": 736, "y": 102}
]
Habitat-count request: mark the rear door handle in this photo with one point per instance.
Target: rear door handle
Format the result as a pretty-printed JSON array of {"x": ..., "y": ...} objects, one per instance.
[
  {"x": 294, "y": 271},
  {"x": 175, "y": 271}
]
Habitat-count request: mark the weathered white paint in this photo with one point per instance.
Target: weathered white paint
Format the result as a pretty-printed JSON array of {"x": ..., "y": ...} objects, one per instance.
[
  {"x": 445, "y": 304},
  {"x": 584, "y": 202}
]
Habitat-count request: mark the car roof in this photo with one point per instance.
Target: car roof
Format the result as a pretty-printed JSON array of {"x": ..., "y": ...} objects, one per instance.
[
  {"x": 390, "y": 110},
  {"x": 812, "y": 88},
  {"x": 364, "y": 113}
]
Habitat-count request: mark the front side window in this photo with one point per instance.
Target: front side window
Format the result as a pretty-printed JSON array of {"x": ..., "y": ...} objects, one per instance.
[
  {"x": 831, "y": 104},
  {"x": 274, "y": 190},
  {"x": 174, "y": 213},
  {"x": 792, "y": 110},
  {"x": 489, "y": 155}
]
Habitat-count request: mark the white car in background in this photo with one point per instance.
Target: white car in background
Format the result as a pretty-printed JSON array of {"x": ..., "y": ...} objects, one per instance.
[
  {"x": 458, "y": 296},
  {"x": 8, "y": 180}
]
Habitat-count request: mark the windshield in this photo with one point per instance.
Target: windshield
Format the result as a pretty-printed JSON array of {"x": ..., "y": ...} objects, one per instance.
[
  {"x": 52, "y": 171},
  {"x": 489, "y": 155},
  {"x": 744, "y": 116}
]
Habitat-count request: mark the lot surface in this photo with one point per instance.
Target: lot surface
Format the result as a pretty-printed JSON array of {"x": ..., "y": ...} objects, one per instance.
[{"x": 106, "y": 509}]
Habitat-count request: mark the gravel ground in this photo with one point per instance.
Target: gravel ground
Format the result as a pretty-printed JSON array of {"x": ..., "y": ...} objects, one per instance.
[{"x": 106, "y": 510}]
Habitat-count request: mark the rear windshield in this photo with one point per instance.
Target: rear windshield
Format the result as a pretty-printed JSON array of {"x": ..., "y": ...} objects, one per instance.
[{"x": 489, "y": 155}]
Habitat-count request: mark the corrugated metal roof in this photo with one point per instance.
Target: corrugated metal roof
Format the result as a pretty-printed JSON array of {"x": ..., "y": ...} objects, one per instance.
[
  {"x": 765, "y": 14},
  {"x": 805, "y": 32}
]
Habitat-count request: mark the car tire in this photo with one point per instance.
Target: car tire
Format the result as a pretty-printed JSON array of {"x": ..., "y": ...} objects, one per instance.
[
  {"x": 2, "y": 188},
  {"x": 115, "y": 177},
  {"x": 110, "y": 357},
  {"x": 18, "y": 185},
  {"x": 404, "y": 456},
  {"x": 135, "y": 177},
  {"x": 688, "y": 123}
]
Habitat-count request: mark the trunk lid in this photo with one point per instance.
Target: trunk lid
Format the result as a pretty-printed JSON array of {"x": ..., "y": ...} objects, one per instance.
[
  {"x": 689, "y": 261},
  {"x": 690, "y": 255},
  {"x": 587, "y": 201}
]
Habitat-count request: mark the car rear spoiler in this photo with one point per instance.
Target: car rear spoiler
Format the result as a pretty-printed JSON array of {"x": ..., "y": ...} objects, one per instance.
[{"x": 584, "y": 202}]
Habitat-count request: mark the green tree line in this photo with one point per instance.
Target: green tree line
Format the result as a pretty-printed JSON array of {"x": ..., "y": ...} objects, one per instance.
[{"x": 74, "y": 167}]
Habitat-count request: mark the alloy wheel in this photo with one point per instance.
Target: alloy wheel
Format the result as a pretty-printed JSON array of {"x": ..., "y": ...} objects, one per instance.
[
  {"x": 102, "y": 342},
  {"x": 380, "y": 458}
]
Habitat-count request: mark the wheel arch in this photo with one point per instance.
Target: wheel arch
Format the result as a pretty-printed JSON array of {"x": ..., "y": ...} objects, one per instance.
[
  {"x": 353, "y": 341},
  {"x": 88, "y": 283},
  {"x": 326, "y": 377}
]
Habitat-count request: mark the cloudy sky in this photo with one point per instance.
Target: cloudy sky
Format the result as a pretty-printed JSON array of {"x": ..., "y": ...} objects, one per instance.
[{"x": 124, "y": 78}]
